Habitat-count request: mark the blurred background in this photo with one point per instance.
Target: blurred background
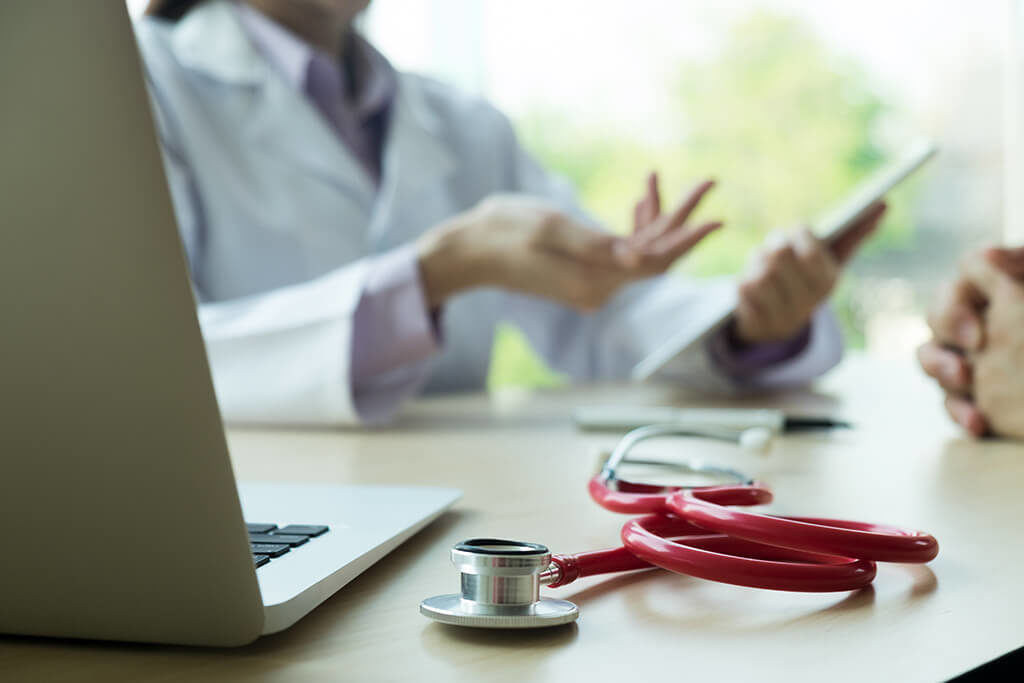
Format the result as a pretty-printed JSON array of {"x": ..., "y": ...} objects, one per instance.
[{"x": 788, "y": 103}]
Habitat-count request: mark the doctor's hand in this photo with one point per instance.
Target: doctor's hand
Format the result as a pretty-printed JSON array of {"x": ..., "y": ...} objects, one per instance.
[
  {"x": 976, "y": 353},
  {"x": 521, "y": 244},
  {"x": 790, "y": 278}
]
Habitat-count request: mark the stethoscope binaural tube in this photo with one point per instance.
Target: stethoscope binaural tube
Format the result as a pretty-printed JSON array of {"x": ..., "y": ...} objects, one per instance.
[
  {"x": 699, "y": 532},
  {"x": 706, "y": 508}
]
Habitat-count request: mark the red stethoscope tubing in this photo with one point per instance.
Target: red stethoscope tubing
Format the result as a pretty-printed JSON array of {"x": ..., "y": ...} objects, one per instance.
[
  {"x": 721, "y": 558},
  {"x": 691, "y": 531},
  {"x": 878, "y": 542}
]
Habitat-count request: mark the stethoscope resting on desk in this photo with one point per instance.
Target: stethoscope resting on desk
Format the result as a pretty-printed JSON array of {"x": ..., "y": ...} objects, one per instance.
[{"x": 691, "y": 530}]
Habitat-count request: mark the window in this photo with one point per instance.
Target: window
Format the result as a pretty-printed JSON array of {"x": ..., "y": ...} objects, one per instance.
[{"x": 787, "y": 102}]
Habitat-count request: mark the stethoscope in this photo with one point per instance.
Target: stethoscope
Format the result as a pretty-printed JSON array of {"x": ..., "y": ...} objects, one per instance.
[{"x": 692, "y": 530}]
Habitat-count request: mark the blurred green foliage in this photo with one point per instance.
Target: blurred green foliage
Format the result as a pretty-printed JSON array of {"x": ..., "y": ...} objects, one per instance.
[{"x": 783, "y": 124}]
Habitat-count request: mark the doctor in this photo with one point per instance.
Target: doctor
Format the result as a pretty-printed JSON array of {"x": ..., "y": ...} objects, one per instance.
[{"x": 355, "y": 234}]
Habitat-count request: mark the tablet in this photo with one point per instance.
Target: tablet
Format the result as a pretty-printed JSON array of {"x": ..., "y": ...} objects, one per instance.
[{"x": 830, "y": 228}]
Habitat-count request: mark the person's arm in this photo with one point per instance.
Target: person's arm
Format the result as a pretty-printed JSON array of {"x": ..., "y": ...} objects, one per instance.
[
  {"x": 297, "y": 355},
  {"x": 395, "y": 334},
  {"x": 642, "y": 316},
  {"x": 282, "y": 356},
  {"x": 350, "y": 346},
  {"x": 769, "y": 341}
]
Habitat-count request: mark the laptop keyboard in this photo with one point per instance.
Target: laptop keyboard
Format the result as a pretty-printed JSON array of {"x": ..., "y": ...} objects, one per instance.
[{"x": 269, "y": 541}]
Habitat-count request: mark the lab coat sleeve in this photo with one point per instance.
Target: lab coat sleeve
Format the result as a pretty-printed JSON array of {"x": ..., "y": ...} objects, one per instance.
[
  {"x": 394, "y": 336},
  {"x": 642, "y": 316},
  {"x": 283, "y": 357},
  {"x": 280, "y": 357}
]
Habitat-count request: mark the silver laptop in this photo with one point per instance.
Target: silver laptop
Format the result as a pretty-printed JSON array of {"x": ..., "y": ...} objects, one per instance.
[{"x": 122, "y": 519}]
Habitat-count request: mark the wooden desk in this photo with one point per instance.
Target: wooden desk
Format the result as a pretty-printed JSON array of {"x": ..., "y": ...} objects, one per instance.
[{"x": 523, "y": 468}]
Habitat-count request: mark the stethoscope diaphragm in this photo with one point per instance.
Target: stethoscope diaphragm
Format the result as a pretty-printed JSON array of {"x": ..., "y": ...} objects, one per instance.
[{"x": 500, "y": 583}]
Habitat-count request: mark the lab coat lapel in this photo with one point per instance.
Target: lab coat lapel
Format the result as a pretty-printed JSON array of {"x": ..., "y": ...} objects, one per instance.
[
  {"x": 288, "y": 125},
  {"x": 272, "y": 116},
  {"x": 417, "y": 165}
]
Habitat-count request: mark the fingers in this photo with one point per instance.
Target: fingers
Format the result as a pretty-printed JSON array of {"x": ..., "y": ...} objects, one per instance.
[
  {"x": 956, "y": 319},
  {"x": 949, "y": 368},
  {"x": 574, "y": 241},
  {"x": 666, "y": 223},
  {"x": 967, "y": 415},
  {"x": 649, "y": 207},
  {"x": 583, "y": 267},
  {"x": 657, "y": 256},
  {"x": 953, "y": 373},
  {"x": 681, "y": 213},
  {"x": 654, "y": 194},
  {"x": 977, "y": 269},
  {"x": 764, "y": 314},
  {"x": 817, "y": 263},
  {"x": 850, "y": 240},
  {"x": 786, "y": 285},
  {"x": 783, "y": 270},
  {"x": 754, "y": 319},
  {"x": 587, "y": 286},
  {"x": 1009, "y": 260}
]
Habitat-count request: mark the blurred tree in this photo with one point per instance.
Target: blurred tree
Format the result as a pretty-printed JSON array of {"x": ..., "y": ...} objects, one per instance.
[{"x": 786, "y": 127}]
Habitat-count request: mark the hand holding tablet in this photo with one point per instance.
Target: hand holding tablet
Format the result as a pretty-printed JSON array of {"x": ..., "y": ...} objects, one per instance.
[{"x": 773, "y": 297}]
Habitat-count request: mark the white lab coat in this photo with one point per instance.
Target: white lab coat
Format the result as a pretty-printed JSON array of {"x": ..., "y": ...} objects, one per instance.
[{"x": 279, "y": 222}]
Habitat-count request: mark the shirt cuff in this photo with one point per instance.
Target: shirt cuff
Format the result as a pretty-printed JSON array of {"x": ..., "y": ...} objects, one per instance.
[
  {"x": 393, "y": 325},
  {"x": 740, "y": 360}
]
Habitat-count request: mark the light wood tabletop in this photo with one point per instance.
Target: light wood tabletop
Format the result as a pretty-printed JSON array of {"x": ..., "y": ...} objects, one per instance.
[{"x": 524, "y": 468}]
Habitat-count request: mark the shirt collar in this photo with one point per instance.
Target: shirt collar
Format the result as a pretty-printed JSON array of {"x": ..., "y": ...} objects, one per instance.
[
  {"x": 291, "y": 56},
  {"x": 285, "y": 51}
]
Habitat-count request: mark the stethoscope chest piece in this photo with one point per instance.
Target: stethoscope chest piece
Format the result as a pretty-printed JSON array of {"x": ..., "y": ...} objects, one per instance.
[{"x": 500, "y": 588}]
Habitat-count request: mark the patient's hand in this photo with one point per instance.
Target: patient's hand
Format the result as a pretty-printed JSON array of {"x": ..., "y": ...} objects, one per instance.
[
  {"x": 977, "y": 350},
  {"x": 999, "y": 366}
]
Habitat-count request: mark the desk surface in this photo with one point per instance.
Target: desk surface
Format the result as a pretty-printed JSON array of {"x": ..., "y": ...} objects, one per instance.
[{"x": 523, "y": 468}]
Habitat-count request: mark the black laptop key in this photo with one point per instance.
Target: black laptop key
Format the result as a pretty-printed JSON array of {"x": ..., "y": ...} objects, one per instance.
[
  {"x": 278, "y": 538},
  {"x": 300, "y": 530},
  {"x": 260, "y": 560},
  {"x": 260, "y": 528},
  {"x": 271, "y": 549}
]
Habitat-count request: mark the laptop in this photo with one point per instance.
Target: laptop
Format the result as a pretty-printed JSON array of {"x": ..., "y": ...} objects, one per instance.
[{"x": 122, "y": 517}]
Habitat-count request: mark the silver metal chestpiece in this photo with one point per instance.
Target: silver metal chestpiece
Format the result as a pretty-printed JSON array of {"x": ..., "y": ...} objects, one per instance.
[{"x": 501, "y": 583}]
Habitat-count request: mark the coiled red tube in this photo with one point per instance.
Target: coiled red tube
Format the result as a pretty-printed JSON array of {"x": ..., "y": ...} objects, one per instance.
[{"x": 692, "y": 532}]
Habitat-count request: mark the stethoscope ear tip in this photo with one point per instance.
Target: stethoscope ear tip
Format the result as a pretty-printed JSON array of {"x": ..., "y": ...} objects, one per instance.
[{"x": 756, "y": 439}]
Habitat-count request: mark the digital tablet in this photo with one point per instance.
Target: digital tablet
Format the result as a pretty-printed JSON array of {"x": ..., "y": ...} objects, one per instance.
[{"x": 711, "y": 315}]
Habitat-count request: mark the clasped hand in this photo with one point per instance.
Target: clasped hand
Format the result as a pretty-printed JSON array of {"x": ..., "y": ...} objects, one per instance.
[{"x": 976, "y": 353}]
